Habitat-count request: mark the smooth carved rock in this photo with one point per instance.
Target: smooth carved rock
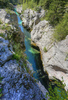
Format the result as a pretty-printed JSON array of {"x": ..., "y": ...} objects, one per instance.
[{"x": 42, "y": 34}]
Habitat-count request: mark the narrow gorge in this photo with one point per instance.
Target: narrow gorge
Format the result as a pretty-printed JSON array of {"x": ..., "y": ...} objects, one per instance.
[
  {"x": 34, "y": 50},
  {"x": 54, "y": 54}
]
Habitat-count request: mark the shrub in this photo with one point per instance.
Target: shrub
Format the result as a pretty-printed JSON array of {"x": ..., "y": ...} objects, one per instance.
[
  {"x": 66, "y": 56},
  {"x": 1, "y": 88},
  {"x": 19, "y": 53},
  {"x": 62, "y": 29},
  {"x": 45, "y": 4},
  {"x": 25, "y": 6},
  {"x": 3, "y": 27},
  {"x": 32, "y": 4},
  {"x": 3, "y": 3},
  {"x": 56, "y": 11},
  {"x": 2, "y": 35},
  {"x": 58, "y": 92},
  {"x": 9, "y": 11},
  {"x": 1, "y": 21},
  {"x": 29, "y": 4},
  {"x": 16, "y": 56},
  {"x": 45, "y": 50}
]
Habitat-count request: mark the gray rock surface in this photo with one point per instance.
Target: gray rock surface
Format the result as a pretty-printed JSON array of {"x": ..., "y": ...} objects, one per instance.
[
  {"x": 55, "y": 60},
  {"x": 30, "y": 17},
  {"x": 5, "y": 53},
  {"x": 17, "y": 84},
  {"x": 19, "y": 9},
  {"x": 3, "y": 16},
  {"x": 8, "y": 16}
]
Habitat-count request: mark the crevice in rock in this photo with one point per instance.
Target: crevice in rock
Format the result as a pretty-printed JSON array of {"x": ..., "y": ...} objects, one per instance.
[
  {"x": 57, "y": 68},
  {"x": 43, "y": 76}
]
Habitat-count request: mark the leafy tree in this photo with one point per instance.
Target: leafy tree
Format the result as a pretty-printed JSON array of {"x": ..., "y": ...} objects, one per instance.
[
  {"x": 56, "y": 11},
  {"x": 4, "y": 3},
  {"x": 62, "y": 28}
]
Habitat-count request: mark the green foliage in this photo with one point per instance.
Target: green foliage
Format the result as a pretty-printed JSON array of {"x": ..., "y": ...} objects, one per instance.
[
  {"x": 1, "y": 88},
  {"x": 58, "y": 93},
  {"x": 2, "y": 35},
  {"x": 1, "y": 92},
  {"x": 56, "y": 11},
  {"x": 10, "y": 6},
  {"x": 43, "y": 18},
  {"x": 45, "y": 4},
  {"x": 45, "y": 50},
  {"x": 9, "y": 11},
  {"x": 4, "y": 3},
  {"x": 16, "y": 56},
  {"x": 6, "y": 27},
  {"x": 25, "y": 6},
  {"x": 1, "y": 21},
  {"x": 16, "y": 1},
  {"x": 14, "y": 38},
  {"x": 56, "y": 8},
  {"x": 37, "y": 9},
  {"x": 3, "y": 27},
  {"x": 66, "y": 56},
  {"x": 19, "y": 53},
  {"x": 62, "y": 29},
  {"x": 30, "y": 4}
]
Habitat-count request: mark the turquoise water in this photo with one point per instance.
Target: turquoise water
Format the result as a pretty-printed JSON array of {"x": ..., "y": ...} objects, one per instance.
[
  {"x": 27, "y": 42},
  {"x": 33, "y": 55}
]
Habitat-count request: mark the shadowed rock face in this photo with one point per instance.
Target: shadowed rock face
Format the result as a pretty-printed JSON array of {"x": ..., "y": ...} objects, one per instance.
[{"x": 55, "y": 60}]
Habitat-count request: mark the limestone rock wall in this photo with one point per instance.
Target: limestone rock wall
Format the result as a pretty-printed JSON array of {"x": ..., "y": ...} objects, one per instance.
[
  {"x": 54, "y": 55},
  {"x": 55, "y": 58}
]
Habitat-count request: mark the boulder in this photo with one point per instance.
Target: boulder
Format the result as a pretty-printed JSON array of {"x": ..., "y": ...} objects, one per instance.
[
  {"x": 3, "y": 16},
  {"x": 8, "y": 16}
]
